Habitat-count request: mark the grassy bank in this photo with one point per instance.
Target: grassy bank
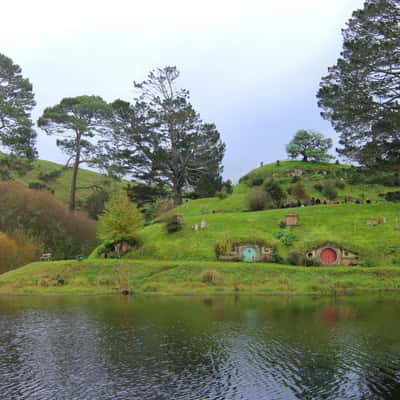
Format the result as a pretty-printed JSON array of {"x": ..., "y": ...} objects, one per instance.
[{"x": 185, "y": 277}]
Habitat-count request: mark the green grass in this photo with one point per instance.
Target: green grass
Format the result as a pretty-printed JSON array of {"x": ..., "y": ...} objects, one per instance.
[
  {"x": 185, "y": 277},
  {"x": 344, "y": 225},
  {"x": 61, "y": 185}
]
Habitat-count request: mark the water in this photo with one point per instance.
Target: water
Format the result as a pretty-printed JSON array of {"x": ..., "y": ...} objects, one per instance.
[{"x": 199, "y": 348}]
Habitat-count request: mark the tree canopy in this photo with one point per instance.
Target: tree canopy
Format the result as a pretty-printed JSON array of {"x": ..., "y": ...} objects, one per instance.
[
  {"x": 161, "y": 139},
  {"x": 17, "y": 136},
  {"x": 310, "y": 145},
  {"x": 360, "y": 95},
  {"x": 81, "y": 123}
]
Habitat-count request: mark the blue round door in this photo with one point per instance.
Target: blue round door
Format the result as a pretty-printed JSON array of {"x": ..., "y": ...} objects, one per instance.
[{"x": 249, "y": 254}]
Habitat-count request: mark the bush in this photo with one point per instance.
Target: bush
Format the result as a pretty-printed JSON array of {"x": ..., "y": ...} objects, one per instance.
[
  {"x": 298, "y": 258},
  {"x": 222, "y": 194},
  {"x": 298, "y": 192},
  {"x": 257, "y": 199},
  {"x": 340, "y": 184},
  {"x": 163, "y": 206},
  {"x": 329, "y": 191},
  {"x": 45, "y": 221},
  {"x": 392, "y": 196},
  {"x": 121, "y": 220},
  {"x": 173, "y": 223},
  {"x": 275, "y": 191},
  {"x": 50, "y": 176},
  {"x": 286, "y": 236},
  {"x": 255, "y": 182},
  {"x": 318, "y": 187},
  {"x": 39, "y": 186}
]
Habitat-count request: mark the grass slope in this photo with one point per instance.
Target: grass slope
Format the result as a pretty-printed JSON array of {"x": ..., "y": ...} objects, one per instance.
[
  {"x": 61, "y": 185},
  {"x": 341, "y": 224},
  {"x": 185, "y": 277}
]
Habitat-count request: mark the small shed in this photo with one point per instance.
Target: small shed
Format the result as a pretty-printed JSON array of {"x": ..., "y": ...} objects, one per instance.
[{"x": 292, "y": 220}]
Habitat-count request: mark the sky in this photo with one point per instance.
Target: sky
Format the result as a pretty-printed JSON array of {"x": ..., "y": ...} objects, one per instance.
[{"x": 252, "y": 67}]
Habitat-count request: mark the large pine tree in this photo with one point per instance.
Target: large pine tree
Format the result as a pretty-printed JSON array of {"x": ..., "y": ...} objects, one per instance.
[
  {"x": 361, "y": 93},
  {"x": 17, "y": 137},
  {"x": 161, "y": 139}
]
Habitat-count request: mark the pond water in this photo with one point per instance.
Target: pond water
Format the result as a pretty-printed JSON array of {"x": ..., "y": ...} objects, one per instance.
[{"x": 199, "y": 348}]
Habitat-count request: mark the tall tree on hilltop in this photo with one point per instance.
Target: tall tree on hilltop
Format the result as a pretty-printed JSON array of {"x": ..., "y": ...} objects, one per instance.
[
  {"x": 81, "y": 122},
  {"x": 310, "y": 146},
  {"x": 161, "y": 139},
  {"x": 17, "y": 136},
  {"x": 360, "y": 96}
]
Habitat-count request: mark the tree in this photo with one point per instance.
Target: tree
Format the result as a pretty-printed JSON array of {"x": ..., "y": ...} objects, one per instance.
[
  {"x": 310, "y": 145},
  {"x": 121, "y": 220},
  {"x": 17, "y": 136},
  {"x": 161, "y": 139},
  {"x": 80, "y": 122},
  {"x": 360, "y": 95}
]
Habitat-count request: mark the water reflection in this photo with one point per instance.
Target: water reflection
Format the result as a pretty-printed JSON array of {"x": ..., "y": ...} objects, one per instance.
[{"x": 199, "y": 348}]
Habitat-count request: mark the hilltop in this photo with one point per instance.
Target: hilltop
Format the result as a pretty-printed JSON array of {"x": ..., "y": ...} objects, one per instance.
[{"x": 54, "y": 177}]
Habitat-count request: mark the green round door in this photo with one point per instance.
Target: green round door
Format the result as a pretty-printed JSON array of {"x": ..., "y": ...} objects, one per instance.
[{"x": 249, "y": 254}]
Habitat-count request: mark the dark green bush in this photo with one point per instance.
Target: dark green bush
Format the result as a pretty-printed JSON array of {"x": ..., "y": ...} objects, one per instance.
[
  {"x": 275, "y": 191},
  {"x": 173, "y": 223},
  {"x": 257, "y": 199},
  {"x": 329, "y": 191},
  {"x": 318, "y": 187},
  {"x": 392, "y": 196}
]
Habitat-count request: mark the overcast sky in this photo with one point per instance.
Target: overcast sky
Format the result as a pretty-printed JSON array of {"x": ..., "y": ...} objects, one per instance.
[{"x": 252, "y": 66}]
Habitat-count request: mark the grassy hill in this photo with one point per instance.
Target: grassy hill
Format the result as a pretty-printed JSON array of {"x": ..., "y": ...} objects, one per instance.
[
  {"x": 57, "y": 179},
  {"x": 229, "y": 220},
  {"x": 180, "y": 262}
]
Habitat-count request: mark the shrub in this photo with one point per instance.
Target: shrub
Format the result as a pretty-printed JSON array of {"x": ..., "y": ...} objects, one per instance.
[
  {"x": 275, "y": 191},
  {"x": 286, "y": 236},
  {"x": 255, "y": 182},
  {"x": 39, "y": 186},
  {"x": 340, "y": 184},
  {"x": 298, "y": 192},
  {"x": 212, "y": 277},
  {"x": 164, "y": 205},
  {"x": 392, "y": 196},
  {"x": 121, "y": 220},
  {"x": 50, "y": 176},
  {"x": 223, "y": 248},
  {"x": 257, "y": 199},
  {"x": 298, "y": 258},
  {"x": 318, "y": 187},
  {"x": 329, "y": 191},
  {"x": 45, "y": 221},
  {"x": 173, "y": 223},
  {"x": 222, "y": 194},
  {"x": 276, "y": 258}
]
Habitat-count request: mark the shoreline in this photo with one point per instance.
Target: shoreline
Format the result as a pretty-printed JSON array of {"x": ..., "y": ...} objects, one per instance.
[{"x": 98, "y": 277}]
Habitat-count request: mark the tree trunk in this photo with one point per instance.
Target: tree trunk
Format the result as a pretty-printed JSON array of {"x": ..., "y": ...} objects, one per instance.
[
  {"x": 72, "y": 193},
  {"x": 305, "y": 158},
  {"x": 177, "y": 196}
]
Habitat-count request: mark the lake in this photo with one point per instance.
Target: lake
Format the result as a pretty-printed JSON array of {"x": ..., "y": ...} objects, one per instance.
[{"x": 199, "y": 348}]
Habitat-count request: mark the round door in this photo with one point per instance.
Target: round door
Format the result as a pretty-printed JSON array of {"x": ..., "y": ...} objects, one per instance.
[
  {"x": 328, "y": 256},
  {"x": 249, "y": 254}
]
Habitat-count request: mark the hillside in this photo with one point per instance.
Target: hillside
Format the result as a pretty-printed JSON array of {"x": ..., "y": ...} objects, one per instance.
[
  {"x": 229, "y": 220},
  {"x": 57, "y": 179},
  {"x": 186, "y": 261}
]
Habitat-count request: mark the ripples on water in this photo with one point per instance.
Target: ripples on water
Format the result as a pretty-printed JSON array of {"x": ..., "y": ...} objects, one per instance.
[{"x": 194, "y": 348}]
